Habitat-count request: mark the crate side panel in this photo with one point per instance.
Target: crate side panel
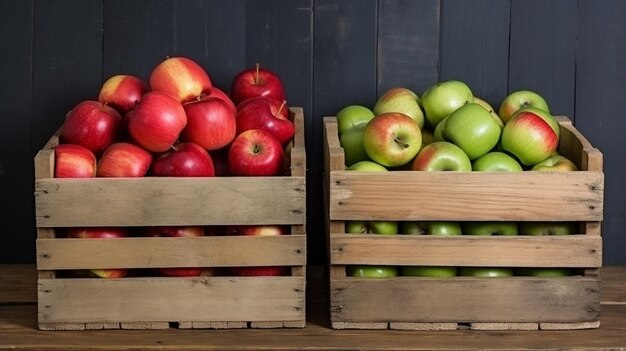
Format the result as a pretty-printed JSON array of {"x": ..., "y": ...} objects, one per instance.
[
  {"x": 171, "y": 299},
  {"x": 169, "y": 201},
  {"x": 567, "y": 196},
  {"x": 465, "y": 300},
  {"x": 218, "y": 251},
  {"x": 574, "y": 251}
]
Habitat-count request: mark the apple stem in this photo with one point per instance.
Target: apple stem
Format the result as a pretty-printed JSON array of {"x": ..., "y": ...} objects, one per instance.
[
  {"x": 256, "y": 78},
  {"x": 281, "y": 107},
  {"x": 404, "y": 145}
]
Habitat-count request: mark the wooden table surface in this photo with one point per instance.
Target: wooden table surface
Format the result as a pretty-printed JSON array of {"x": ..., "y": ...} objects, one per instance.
[{"x": 18, "y": 328}]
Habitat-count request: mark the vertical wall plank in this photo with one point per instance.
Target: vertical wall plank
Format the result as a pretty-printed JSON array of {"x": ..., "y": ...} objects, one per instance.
[
  {"x": 344, "y": 73},
  {"x": 213, "y": 32},
  {"x": 16, "y": 158},
  {"x": 408, "y": 44},
  {"x": 476, "y": 51},
  {"x": 67, "y": 61},
  {"x": 543, "y": 50},
  {"x": 600, "y": 106},
  {"x": 137, "y": 36}
]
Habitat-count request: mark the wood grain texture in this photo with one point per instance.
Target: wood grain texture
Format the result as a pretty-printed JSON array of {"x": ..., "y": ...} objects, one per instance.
[
  {"x": 181, "y": 201},
  {"x": 214, "y": 251},
  {"x": 401, "y": 195},
  {"x": 197, "y": 299},
  {"x": 574, "y": 251},
  {"x": 465, "y": 300}
]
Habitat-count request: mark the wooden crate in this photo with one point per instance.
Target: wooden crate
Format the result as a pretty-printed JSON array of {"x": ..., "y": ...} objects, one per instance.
[
  {"x": 161, "y": 302},
  {"x": 466, "y": 302}
]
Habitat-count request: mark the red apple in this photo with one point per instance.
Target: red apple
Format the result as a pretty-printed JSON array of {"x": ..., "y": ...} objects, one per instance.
[
  {"x": 531, "y": 135},
  {"x": 74, "y": 161},
  {"x": 255, "y": 152},
  {"x": 101, "y": 233},
  {"x": 124, "y": 160},
  {"x": 93, "y": 125},
  {"x": 218, "y": 93},
  {"x": 256, "y": 82},
  {"x": 210, "y": 123},
  {"x": 157, "y": 121},
  {"x": 262, "y": 230},
  {"x": 122, "y": 92},
  {"x": 182, "y": 78},
  {"x": 262, "y": 113},
  {"x": 185, "y": 160},
  {"x": 284, "y": 111},
  {"x": 171, "y": 231}
]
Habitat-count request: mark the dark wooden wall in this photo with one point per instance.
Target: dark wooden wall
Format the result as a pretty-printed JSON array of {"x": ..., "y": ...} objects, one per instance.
[{"x": 330, "y": 53}]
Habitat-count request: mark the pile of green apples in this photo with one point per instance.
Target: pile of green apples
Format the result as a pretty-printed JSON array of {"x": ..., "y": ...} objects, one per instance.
[{"x": 450, "y": 129}]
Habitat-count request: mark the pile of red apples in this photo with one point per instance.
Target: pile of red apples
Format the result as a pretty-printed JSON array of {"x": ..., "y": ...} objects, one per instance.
[{"x": 178, "y": 124}]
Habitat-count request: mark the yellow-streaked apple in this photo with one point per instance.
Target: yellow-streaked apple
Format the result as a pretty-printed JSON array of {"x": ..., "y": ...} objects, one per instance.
[
  {"x": 402, "y": 100},
  {"x": 442, "y": 156},
  {"x": 518, "y": 100},
  {"x": 392, "y": 139}
]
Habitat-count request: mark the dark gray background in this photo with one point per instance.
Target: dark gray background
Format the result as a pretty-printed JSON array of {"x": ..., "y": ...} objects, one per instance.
[{"x": 330, "y": 53}]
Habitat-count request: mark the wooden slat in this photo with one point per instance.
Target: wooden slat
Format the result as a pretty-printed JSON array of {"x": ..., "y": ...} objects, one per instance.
[
  {"x": 165, "y": 300},
  {"x": 465, "y": 300},
  {"x": 169, "y": 201},
  {"x": 215, "y": 251},
  {"x": 520, "y": 251},
  {"x": 402, "y": 195}
]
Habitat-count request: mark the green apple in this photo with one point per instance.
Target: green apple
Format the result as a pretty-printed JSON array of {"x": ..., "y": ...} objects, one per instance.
[
  {"x": 518, "y": 100},
  {"x": 352, "y": 116},
  {"x": 441, "y": 228},
  {"x": 438, "y": 132},
  {"x": 372, "y": 271},
  {"x": 486, "y": 272},
  {"x": 555, "y": 163},
  {"x": 472, "y": 129},
  {"x": 490, "y": 228},
  {"x": 366, "y": 166},
  {"x": 428, "y": 136},
  {"x": 442, "y": 156},
  {"x": 489, "y": 109},
  {"x": 444, "y": 98},
  {"x": 496, "y": 161},
  {"x": 372, "y": 227},
  {"x": 544, "y": 272},
  {"x": 547, "y": 228},
  {"x": 352, "y": 143},
  {"x": 530, "y": 135},
  {"x": 392, "y": 139},
  {"x": 428, "y": 271},
  {"x": 383, "y": 227},
  {"x": 356, "y": 227},
  {"x": 400, "y": 100}
]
